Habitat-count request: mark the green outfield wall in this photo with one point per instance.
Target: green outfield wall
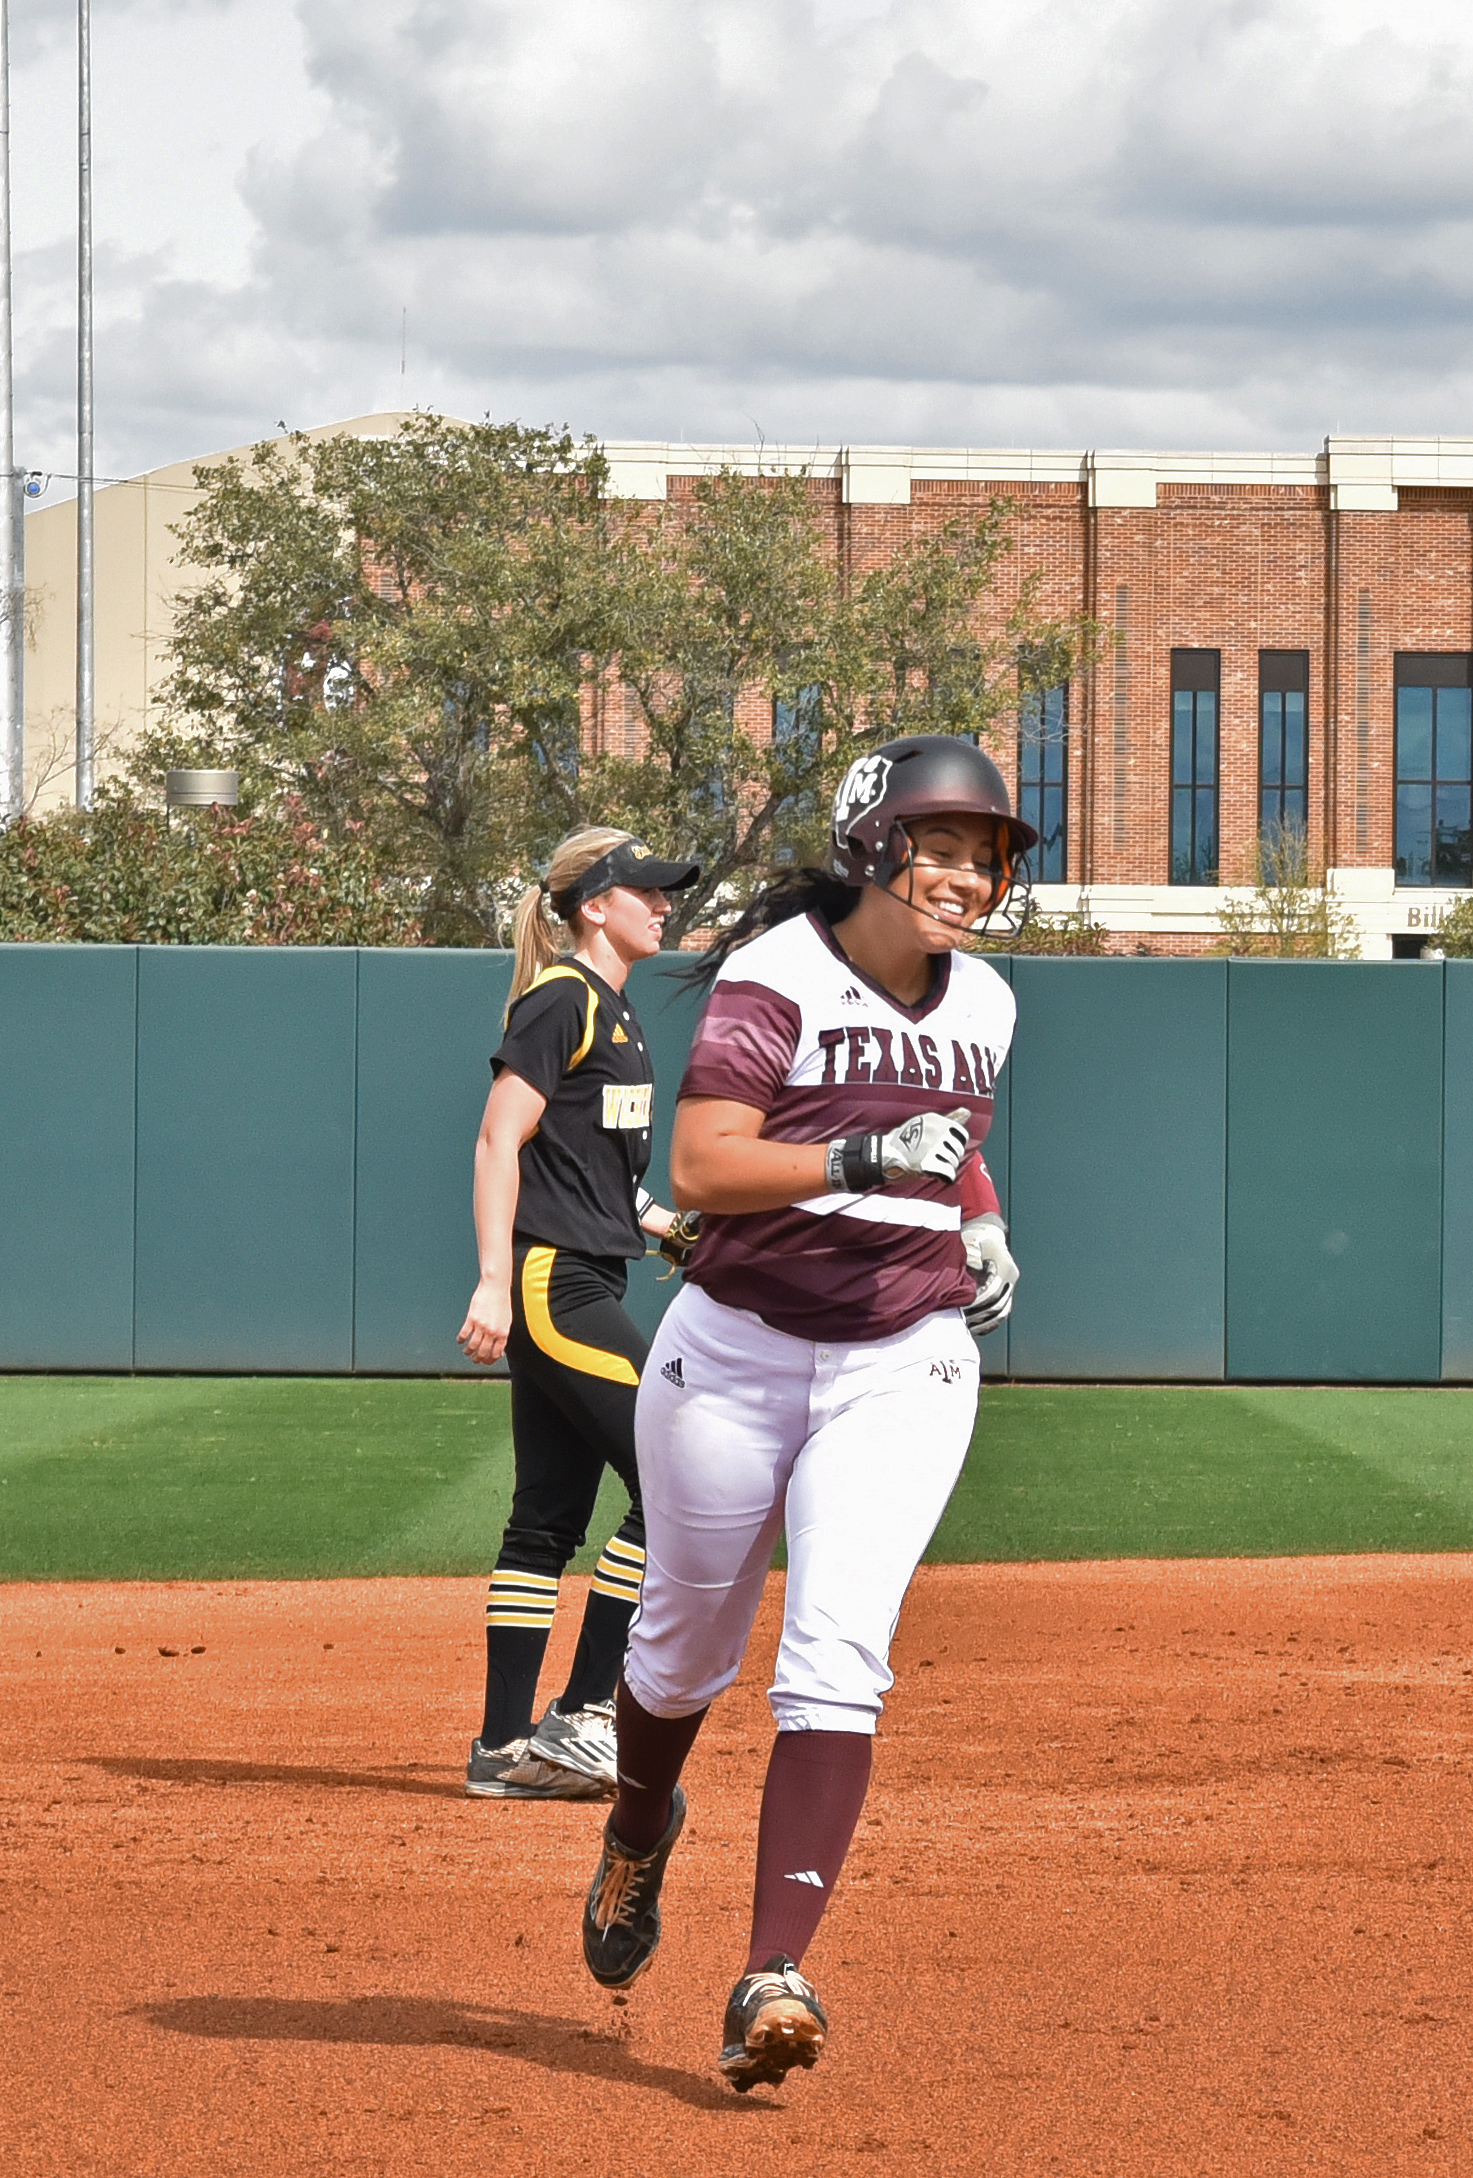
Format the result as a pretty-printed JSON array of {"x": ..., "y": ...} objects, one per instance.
[{"x": 258, "y": 1160}]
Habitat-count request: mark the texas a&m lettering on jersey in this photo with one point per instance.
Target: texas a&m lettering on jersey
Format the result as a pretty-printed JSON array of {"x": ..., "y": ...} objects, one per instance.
[
  {"x": 795, "y": 1030},
  {"x": 881, "y": 1054}
]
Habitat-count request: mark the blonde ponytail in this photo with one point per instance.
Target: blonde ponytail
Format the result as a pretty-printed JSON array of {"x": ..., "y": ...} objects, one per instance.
[{"x": 537, "y": 934}]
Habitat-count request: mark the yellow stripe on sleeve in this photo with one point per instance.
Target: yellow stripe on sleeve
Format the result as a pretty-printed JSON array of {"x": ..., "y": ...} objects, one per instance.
[
  {"x": 572, "y": 1353},
  {"x": 554, "y": 975}
]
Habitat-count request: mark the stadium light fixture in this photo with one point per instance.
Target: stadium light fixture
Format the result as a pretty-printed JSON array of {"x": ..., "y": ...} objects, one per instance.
[
  {"x": 86, "y": 563},
  {"x": 202, "y": 789},
  {"x": 12, "y": 504}
]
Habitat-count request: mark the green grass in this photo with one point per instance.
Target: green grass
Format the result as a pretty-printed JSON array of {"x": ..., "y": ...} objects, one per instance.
[
  {"x": 224, "y": 1477},
  {"x": 1178, "y": 1471},
  {"x": 219, "y": 1477}
]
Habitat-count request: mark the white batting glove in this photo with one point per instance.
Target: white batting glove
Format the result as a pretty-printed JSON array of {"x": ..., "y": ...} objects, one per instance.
[
  {"x": 930, "y": 1146},
  {"x": 986, "y": 1242}
]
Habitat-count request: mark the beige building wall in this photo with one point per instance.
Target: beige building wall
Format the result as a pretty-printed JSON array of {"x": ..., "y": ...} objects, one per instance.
[{"x": 139, "y": 575}]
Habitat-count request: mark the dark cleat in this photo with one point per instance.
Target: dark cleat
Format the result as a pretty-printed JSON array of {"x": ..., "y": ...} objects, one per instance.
[
  {"x": 621, "y": 1920},
  {"x": 514, "y": 1772},
  {"x": 773, "y": 2022}
]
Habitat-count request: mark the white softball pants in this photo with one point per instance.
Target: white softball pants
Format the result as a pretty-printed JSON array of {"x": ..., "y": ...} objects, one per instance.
[{"x": 739, "y": 1429}]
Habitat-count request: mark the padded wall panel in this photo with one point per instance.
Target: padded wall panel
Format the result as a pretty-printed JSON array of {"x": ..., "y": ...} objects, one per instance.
[
  {"x": 668, "y": 1010},
  {"x": 1457, "y": 1170},
  {"x": 1117, "y": 1168},
  {"x": 996, "y": 1348},
  {"x": 245, "y": 1158},
  {"x": 428, "y": 1022},
  {"x": 67, "y": 1050},
  {"x": 1334, "y": 1171}
]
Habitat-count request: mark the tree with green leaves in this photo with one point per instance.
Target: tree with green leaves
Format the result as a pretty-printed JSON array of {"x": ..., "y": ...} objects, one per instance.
[
  {"x": 1071, "y": 932},
  {"x": 1291, "y": 915},
  {"x": 125, "y": 874},
  {"x": 1453, "y": 937},
  {"x": 735, "y": 659},
  {"x": 419, "y": 636},
  {"x": 398, "y": 633},
  {"x": 739, "y": 621}
]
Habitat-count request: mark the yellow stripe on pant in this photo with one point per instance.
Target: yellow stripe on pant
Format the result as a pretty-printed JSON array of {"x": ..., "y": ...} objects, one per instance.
[{"x": 572, "y": 1353}]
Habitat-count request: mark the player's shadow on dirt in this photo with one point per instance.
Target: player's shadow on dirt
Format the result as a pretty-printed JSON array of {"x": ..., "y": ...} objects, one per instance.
[
  {"x": 210, "y": 1770},
  {"x": 558, "y": 2045}
]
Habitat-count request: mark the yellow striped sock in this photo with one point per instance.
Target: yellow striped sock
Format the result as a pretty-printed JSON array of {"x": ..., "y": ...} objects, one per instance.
[
  {"x": 515, "y": 1598},
  {"x": 619, "y": 1571}
]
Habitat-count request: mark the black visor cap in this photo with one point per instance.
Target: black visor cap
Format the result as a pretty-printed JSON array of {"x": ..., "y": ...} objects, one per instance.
[{"x": 633, "y": 864}]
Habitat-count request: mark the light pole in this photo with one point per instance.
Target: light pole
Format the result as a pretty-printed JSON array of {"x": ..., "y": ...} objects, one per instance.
[
  {"x": 12, "y": 531},
  {"x": 86, "y": 570}
]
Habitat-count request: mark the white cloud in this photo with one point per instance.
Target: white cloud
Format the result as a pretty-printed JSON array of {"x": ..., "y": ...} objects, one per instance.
[{"x": 1233, "y": 222}]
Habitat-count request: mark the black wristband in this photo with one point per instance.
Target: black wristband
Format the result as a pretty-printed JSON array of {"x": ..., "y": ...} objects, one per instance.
[{"x": 861, "y": 1163}]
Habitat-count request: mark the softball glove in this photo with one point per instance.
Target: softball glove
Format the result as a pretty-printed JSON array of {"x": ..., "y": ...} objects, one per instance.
[
  {"x": 986, "y": 1242},
  {"x": 679, "y": 1244}
]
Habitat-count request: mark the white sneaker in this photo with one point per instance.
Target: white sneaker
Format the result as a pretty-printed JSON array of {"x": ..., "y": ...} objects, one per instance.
[
  {"x": 514, "y": 1772},
  {"x": 582, "y": 1742}
]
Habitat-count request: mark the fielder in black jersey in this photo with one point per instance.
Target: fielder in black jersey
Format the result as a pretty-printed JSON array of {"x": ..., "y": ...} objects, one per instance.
[
  {"x": 576, "y": 1041},
  {"x": 559, "y": 1213}
]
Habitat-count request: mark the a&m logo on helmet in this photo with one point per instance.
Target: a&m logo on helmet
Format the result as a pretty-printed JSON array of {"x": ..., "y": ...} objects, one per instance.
[{"x": 862, "y": 787}]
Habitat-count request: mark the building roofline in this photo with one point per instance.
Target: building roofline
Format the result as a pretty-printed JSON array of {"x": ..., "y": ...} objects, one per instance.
[{"x": 1360, "y": 472}]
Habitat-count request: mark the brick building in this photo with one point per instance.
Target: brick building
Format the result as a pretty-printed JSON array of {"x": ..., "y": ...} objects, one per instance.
[{"x": 1292, "y": 638}]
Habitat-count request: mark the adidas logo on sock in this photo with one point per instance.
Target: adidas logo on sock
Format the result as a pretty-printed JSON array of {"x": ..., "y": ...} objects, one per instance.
[
  {"x": 674, "y": 1374},
  {"x": 810, "y": 1876}
]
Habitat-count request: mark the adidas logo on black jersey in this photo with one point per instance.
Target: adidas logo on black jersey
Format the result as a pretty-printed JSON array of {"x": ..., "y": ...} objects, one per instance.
[
  {"x": 674, "y": 1374},
  {"x": 852, "y": 997}
]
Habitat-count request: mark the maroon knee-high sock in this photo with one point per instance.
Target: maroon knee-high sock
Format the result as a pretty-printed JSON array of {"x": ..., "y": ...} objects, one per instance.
[
  {"x": 652, "y": 1752},
  {"x": 816, "y": 1783}
]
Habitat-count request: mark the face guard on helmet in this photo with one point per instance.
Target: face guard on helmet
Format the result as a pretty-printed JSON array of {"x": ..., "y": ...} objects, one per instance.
[{"x": 928, "y": 775}]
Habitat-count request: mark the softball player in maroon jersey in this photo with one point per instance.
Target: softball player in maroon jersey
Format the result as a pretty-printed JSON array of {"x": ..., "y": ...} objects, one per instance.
[{"x": 817, "y": 1371}]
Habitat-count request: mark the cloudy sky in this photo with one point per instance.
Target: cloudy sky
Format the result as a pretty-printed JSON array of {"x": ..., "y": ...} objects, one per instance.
[{"x": 1233, "y": 223}]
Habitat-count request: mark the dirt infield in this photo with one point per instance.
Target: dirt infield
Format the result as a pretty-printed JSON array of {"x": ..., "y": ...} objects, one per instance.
[{"x": 1165, "y": 1872}]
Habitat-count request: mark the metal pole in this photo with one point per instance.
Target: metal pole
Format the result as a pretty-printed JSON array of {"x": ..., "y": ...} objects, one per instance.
[
  {"x": 86, "y": 568},
  {"x": 12, "y": 534}
]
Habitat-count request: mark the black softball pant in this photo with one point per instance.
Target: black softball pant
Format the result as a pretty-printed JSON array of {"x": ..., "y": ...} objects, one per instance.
[{"x": 575, "y": 1360}]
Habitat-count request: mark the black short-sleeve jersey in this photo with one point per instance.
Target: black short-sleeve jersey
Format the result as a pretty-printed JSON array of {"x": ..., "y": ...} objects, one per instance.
[{"x": 576, "y": 1041}]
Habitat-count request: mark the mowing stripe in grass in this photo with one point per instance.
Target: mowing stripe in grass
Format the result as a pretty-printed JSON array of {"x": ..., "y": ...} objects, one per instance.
[
  {"x": 237, "y": 1477},
  {"x": 1123, "y": 1471},
  {"x": 290, "y": 1478}
]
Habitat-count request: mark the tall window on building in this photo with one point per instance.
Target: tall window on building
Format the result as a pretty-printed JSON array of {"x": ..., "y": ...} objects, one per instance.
[
  {"x": 1283, "y": 743},
  {"x": 799, "y": 725},
  {"x": 1043, "y": 777},
  {"x": 1434, "y": 768},
  {"x": 1196, "y": 676},
  {"x": 797, "y": 734}
]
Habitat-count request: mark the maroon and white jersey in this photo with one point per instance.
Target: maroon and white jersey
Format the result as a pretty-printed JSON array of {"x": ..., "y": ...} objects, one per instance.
[{"x": 793, "y": 1028}]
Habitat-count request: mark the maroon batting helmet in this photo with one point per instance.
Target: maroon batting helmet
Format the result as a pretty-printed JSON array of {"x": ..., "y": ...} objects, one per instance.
[{"x": 919, "y": 775}]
